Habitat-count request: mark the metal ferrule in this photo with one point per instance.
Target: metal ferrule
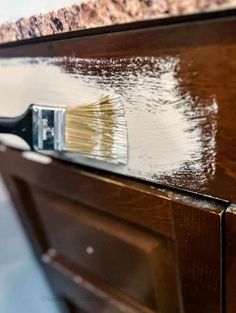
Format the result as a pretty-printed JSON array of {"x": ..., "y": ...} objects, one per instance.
[{"x": 48, "y": 128}]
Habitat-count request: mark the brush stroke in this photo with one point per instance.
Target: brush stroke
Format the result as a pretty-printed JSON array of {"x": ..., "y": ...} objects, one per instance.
[{"x": 172, "y": 136}]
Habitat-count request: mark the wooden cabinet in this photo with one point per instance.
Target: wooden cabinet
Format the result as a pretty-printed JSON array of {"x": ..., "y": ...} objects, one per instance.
[
  {"x": 110, "y": 244},
  {"x": 120, "y": 254},
  {"x": 157, "y": 234},
  {"x": 230, "y": 258}
]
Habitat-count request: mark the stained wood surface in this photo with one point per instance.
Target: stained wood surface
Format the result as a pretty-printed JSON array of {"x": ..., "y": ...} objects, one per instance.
[
  {"x": 230, "y": 259},
  {"x": 183, "y": 74},
  {"x": 199, "y": 239},
  {"x": 187, "y": 261},
  {"x": 118, "y": 253},
  {"x": 179, "y": 78},
  {"x": 86, "y": 292}
]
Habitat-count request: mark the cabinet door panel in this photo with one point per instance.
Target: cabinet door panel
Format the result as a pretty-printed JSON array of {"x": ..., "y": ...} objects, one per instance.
[{"x": 121, "y": 254}]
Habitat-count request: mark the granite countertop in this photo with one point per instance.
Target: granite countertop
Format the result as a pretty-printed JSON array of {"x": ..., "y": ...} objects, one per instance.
[{"x": 95, "y": 13}]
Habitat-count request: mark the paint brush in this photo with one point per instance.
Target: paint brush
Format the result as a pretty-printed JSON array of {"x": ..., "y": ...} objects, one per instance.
[{"x": 97, "y": 130}]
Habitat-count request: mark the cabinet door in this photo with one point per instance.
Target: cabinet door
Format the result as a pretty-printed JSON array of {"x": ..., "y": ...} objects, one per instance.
[
  {"x": 110, "y": 244},
  {"x": 106, "y": 243}
]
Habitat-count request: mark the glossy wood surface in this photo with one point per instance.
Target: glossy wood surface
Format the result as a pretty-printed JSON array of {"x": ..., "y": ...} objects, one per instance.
[
  {"x": 118, "y": 253},
  {"x": 190, "y": 224},
  {"x": 230, "y": 259},
  {"x": 207, "y": 72},
  {"x": 187, "y": 261}
]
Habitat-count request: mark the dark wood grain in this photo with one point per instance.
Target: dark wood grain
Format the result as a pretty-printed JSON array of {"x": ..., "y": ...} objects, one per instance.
[
  {"x": 207, "y": 71},
  {"x": 189, "y": 222},
  {"x": 187, "y": 261},
  {"x": 129, "y": 254},
  {"x": 198, "y": 239},
  {"x": 230, "y": 259},
  {"x": 88, "y": 293},
  {"x": 128, "y": 202}
]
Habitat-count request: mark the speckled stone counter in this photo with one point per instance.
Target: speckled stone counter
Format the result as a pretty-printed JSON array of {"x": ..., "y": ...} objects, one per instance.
[{"x": 95, "y": 13}]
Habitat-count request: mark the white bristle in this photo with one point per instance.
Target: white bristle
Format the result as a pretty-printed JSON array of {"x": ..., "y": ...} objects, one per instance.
[{"x": 98, "y": 130}]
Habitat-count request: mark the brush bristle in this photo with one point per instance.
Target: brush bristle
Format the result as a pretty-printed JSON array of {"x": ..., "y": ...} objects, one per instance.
[{"x": 98, "y": 130}]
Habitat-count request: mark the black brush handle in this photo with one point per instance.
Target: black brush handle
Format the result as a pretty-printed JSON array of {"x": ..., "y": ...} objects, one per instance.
[
  {"x": 20, "y": 126},
  {"x": 9, "y": 125}
]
